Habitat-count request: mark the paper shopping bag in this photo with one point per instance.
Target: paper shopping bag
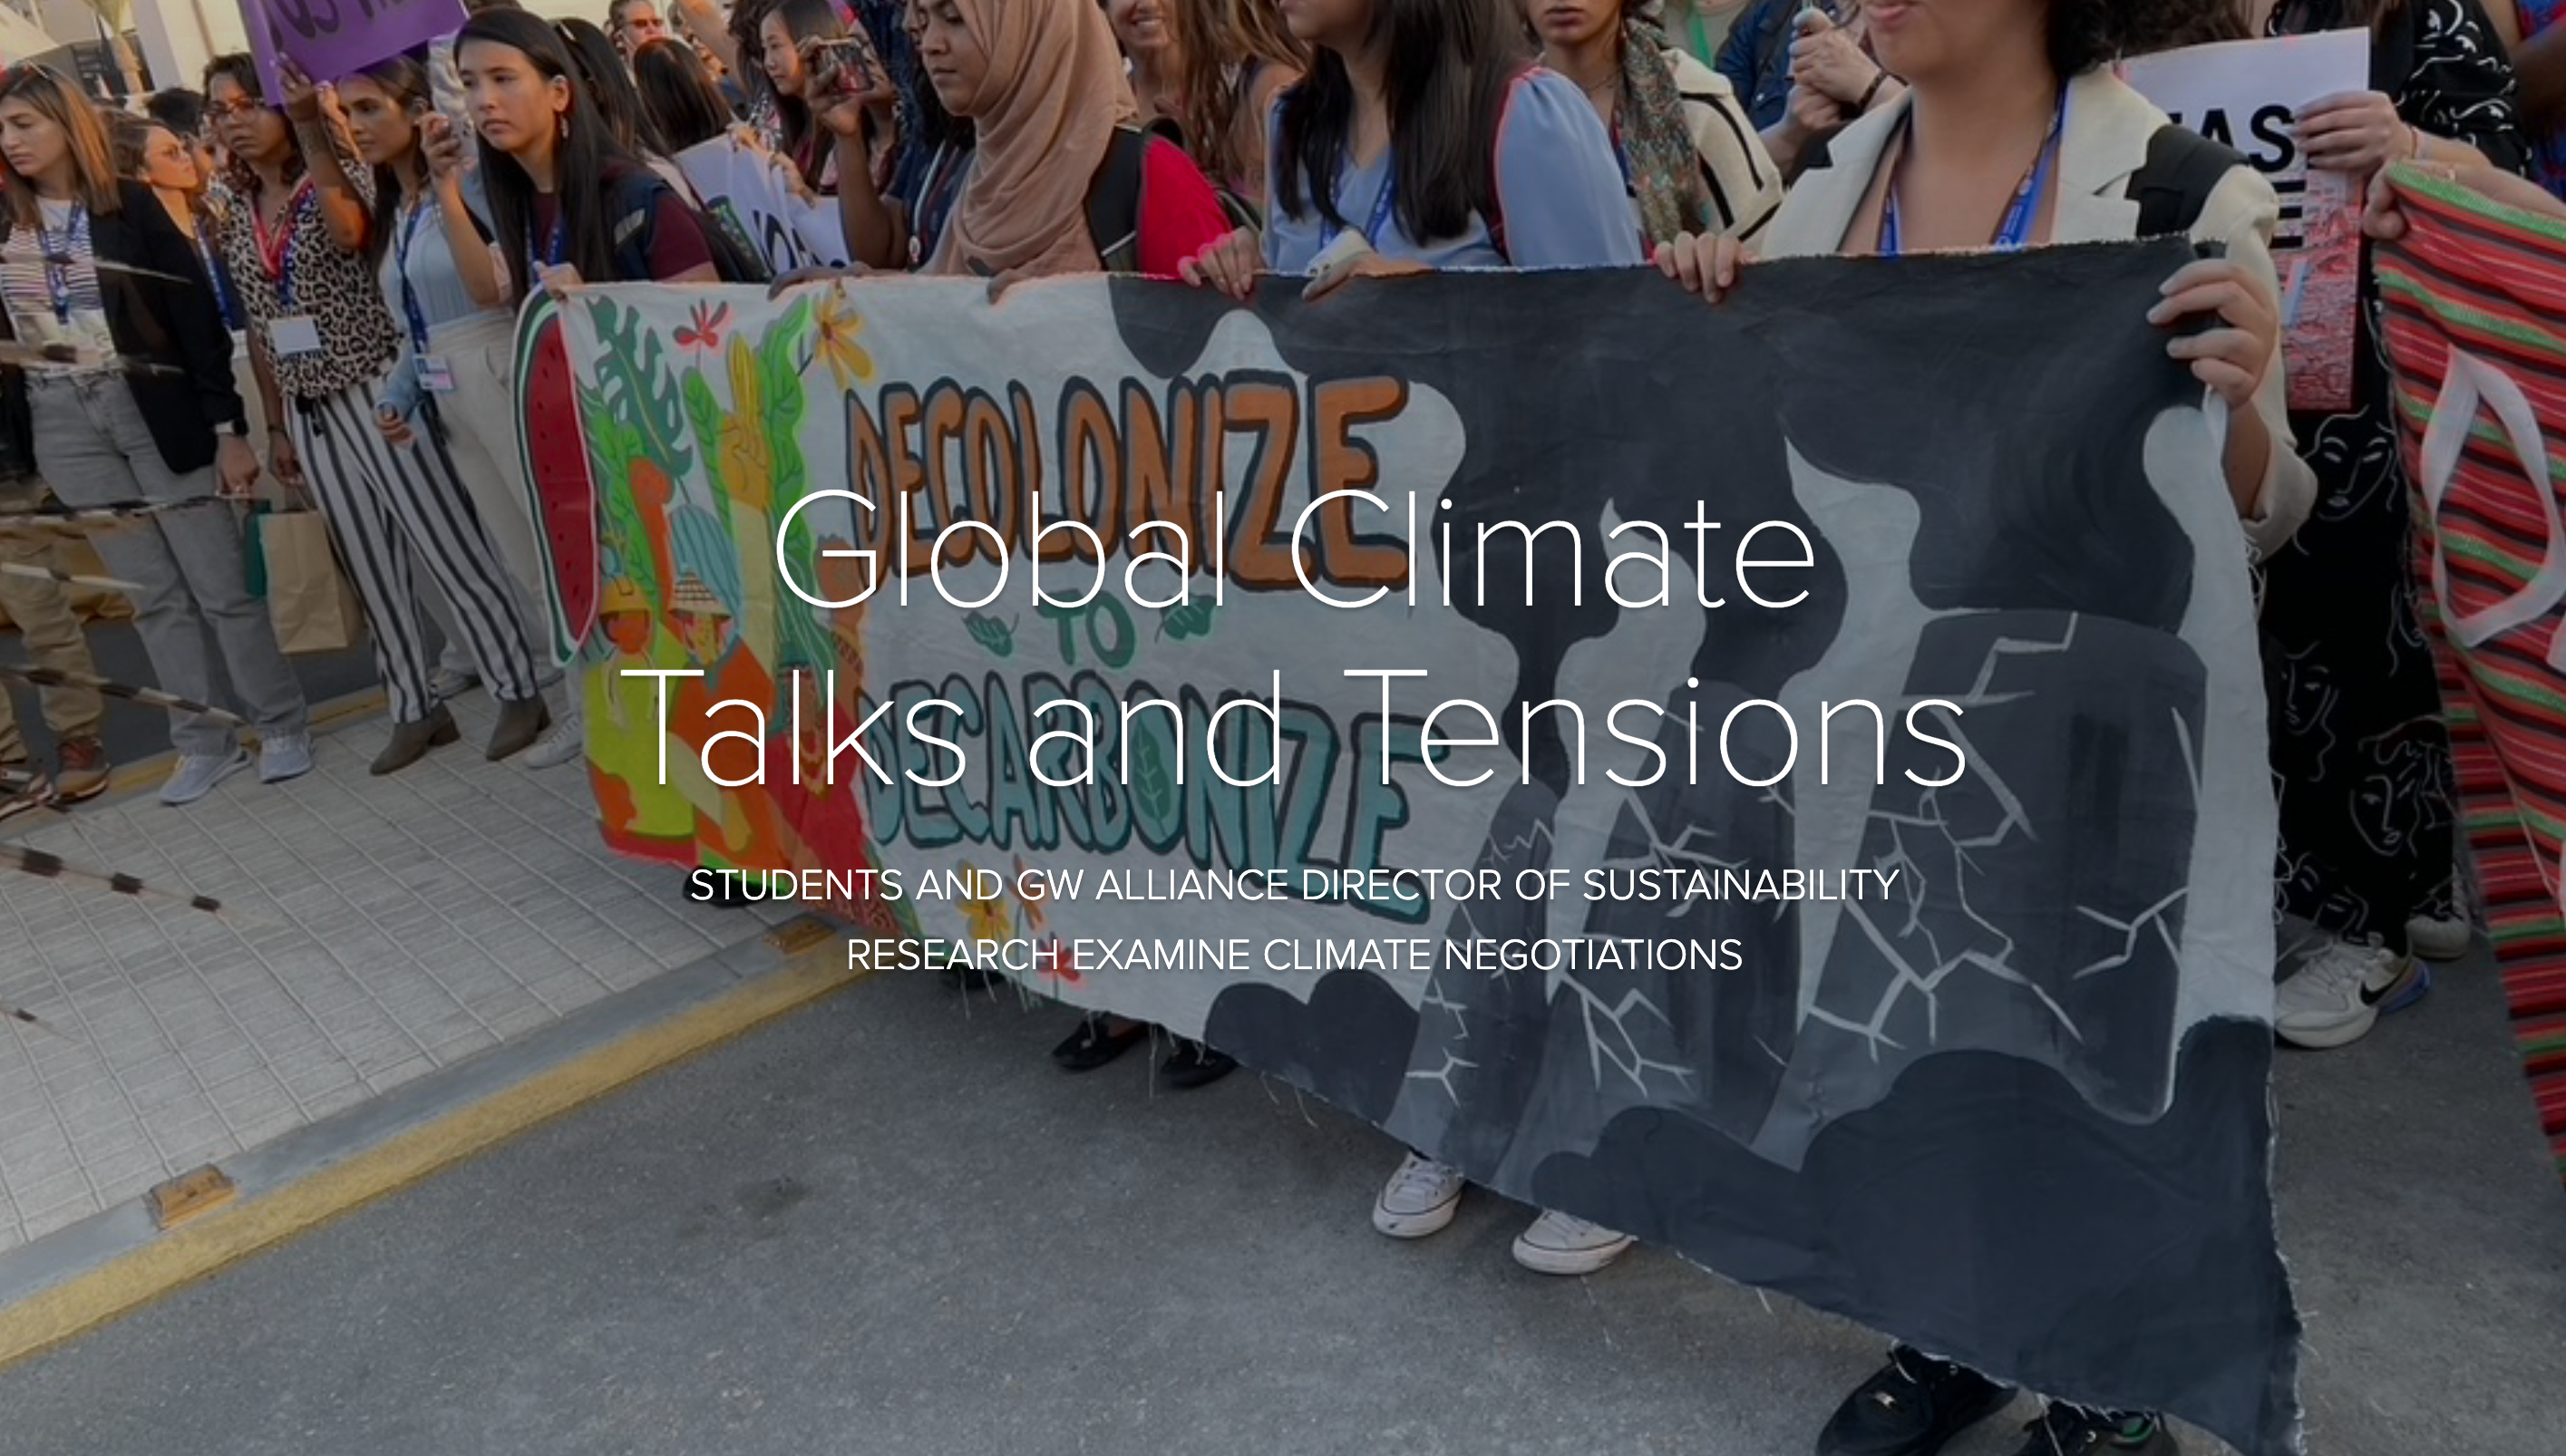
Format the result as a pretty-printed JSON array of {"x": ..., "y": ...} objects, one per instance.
[{"x": 307, "y": 599}]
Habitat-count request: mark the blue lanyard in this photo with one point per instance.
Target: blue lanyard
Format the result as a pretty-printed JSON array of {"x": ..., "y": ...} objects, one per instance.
[
  {"x": 206, "y": 255},
  {"x": 2015, "y": 230},
  {"x": 58, "y": 261},
  {"x": 554, "y": 251},
  {"x": 411, "y": 308},
  {"x": 1381, "y": 203}
]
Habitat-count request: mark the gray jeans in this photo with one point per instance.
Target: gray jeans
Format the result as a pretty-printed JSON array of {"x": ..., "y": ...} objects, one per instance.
[{"x": 95, "y": 448}]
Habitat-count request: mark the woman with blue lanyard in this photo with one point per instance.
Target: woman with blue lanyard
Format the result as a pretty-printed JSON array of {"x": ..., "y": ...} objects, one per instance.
[
  {"x": 161, "y": 160},
  {"x": 451, "y": 394},
  {"x": 1350, "y": 195},
  {"x": 2014, "y": 132},
  {"x": 1354, "y": 195},
  {"x": 136, "y": 400},
  {"x": 320, "y": 339}
]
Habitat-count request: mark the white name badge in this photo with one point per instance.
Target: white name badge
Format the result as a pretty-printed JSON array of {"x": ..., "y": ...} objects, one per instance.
[
  {"x": 296, "y": 338},
  {"x": 436, "y": 377}
]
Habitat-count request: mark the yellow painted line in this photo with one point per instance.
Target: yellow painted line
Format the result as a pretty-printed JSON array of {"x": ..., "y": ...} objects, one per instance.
[
  {"x": 208, "y": 1242},
  {"x": 153, "y": 771}
]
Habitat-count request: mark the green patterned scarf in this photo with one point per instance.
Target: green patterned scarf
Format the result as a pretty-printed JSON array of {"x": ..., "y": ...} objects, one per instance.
[{"x": 1663, "y": 169}]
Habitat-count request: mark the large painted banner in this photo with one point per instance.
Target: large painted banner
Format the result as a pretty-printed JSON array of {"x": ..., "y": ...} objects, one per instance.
[
  {"x": 1786, "y": 780},
  {"x": 2476, "y": 328},
  {"x": 2246, "y": 95}
]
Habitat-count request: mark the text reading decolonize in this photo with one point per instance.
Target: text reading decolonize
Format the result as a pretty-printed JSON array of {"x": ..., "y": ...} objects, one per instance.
[{"x": 1342, "y": 559}]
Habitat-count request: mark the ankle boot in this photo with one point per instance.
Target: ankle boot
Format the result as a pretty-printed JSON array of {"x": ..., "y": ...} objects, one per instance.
[
  {"x": 411, "y": 741},
  {"x": 520, "y": 722}
]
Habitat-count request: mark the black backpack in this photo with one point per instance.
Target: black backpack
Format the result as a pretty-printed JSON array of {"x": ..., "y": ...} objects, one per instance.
[
  {"x": 635, "y": 201},
  {"x": 2174, "y": 185},
  {"x": 1113, "y": 199}
]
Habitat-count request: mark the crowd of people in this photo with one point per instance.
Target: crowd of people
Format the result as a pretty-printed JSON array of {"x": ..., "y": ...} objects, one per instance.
[{"x": 360, "y": 249}]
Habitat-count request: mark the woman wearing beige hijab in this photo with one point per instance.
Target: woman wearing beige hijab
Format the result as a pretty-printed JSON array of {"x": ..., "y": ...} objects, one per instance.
[{"x": 1042, "y": 85}]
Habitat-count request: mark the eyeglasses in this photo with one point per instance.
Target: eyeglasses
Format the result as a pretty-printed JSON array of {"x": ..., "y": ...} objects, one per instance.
[{"x": 237, "y": 107}]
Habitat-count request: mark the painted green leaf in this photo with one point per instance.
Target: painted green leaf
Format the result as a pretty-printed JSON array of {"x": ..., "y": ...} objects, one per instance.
[
  {"x": 998, "y": 636},
  {"x": 1153, "y": 782}
]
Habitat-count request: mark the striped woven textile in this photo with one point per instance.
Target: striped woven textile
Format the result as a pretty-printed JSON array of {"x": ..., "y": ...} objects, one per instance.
[{"x": 2476, "y": 328}]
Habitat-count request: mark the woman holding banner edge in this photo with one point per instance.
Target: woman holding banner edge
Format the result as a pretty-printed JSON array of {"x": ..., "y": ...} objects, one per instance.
[
  {"x": 1535, "y": 183},
  {"x": 2014, "y": 132}
]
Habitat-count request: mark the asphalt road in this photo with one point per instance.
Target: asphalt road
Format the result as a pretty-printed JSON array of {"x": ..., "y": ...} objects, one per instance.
[{"x": 885, "y": 1224}]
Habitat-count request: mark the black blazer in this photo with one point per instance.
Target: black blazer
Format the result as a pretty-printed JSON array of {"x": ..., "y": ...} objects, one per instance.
[{"x": 170, "y": 323}]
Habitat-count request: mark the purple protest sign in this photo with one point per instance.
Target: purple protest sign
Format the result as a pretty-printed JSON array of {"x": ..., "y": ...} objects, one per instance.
[{"x": 331, "y": 39}]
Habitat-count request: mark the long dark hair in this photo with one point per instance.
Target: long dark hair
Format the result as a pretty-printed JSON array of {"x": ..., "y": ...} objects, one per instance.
[
  {"x": 805, "y": 20},
  {"x": 1448, "y": 65},
  {"x": 609, "y": 86},
  {"x": 678, "y": 94},
  {"x": 746, "y": 18},
  {"x": 241, "y": 70},
  {"x": 404, "y": 84},
  {"x": 584, "y": 153},
  {"x": 2083, "y": 33}
]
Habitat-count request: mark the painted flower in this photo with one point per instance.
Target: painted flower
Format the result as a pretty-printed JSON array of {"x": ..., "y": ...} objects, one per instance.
[
  {"x": 1054, "y": 959},
  {"x": 834, "y": 340},
  {"x": 703, "y": 331},
  {"x": 988, "y": 919}
]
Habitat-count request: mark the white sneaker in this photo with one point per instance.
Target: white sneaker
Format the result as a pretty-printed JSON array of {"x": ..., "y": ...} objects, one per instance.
[
  {"x": 2437, "y": 939},
  {"x": 448, "y": 683},
  {"x": 565, "y": 742},
  {"x": 285, "y": 756},
  {"x": 2338, "y": 993},
  {"x": 1559, "y": 1243},
  {"x": 1419, "y": 1199},
  {"x": 195, "y": 775}
]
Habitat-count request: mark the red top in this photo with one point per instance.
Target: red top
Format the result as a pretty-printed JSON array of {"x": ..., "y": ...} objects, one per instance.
[{"x": 1181, "y": 215}]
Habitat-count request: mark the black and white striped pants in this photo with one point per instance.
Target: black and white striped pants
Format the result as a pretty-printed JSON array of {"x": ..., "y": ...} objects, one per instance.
[{"x": 389, "y": 507}]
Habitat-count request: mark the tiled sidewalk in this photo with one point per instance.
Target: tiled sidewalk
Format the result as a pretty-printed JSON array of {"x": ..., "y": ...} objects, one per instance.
[{"x": 372, "y": 930}]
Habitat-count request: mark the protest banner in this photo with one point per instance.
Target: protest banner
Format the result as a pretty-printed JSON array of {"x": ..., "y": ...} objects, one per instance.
[
  {"x": 2246, "y": 95},
  {"x": 746, "y": 189},
  {"x": 1783, "y": 750},
  {"x": 2476, "y": 294},
  {"x": 335, "y": 39}
]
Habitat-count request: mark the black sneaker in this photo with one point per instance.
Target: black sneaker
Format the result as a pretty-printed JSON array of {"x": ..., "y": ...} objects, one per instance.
[
  {"x": 1195, "y": 1065},
  {"x": 1096, "y": 1043},
  {"x": 1913, "y": 1408},
  {"x": 2073, "y": 1430}
]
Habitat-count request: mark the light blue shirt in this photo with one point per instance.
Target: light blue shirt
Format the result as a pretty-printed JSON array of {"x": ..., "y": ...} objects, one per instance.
[
  {"x": 435, "y": 283},
  {"x": 1559, "y": 186}
]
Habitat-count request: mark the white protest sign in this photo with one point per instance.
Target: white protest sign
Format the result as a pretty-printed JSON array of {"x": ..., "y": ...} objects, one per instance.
[{"x": 746, "y": 189}]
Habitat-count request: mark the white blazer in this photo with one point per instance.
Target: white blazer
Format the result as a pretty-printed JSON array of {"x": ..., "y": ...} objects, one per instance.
[{"x": 2105, "y": 144}]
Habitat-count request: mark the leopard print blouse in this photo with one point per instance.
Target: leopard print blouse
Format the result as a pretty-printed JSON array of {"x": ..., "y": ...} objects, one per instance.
[{"x": 336, "y": 288}]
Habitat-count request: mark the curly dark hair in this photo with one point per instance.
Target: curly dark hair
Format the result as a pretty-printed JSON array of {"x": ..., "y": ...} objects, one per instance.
[{"x": 2083, "y": 33}]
